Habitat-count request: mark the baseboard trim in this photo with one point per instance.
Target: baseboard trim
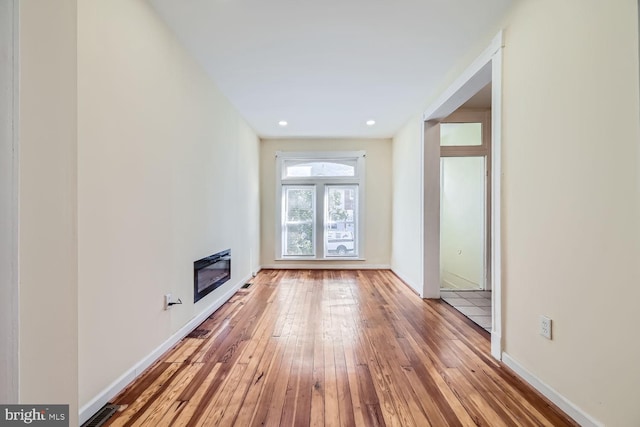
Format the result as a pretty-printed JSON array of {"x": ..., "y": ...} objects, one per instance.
[
  {"x": 313, "y": 266},
  {"x": 578, "y": 415},
  {"x": 135, "y": 371}
]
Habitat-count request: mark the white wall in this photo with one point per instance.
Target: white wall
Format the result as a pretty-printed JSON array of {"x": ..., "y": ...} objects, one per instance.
[
  {"x": 48, "y": 202},
  {"x": 377, "y": 210},
  {"x": 571, "y": 200},
  {"x": 167, "y": 174},
  {"x": 406, "y": 254}
]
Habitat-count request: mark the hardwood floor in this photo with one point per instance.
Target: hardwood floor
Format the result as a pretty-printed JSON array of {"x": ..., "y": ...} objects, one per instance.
[{"x": 329, "y": 348}]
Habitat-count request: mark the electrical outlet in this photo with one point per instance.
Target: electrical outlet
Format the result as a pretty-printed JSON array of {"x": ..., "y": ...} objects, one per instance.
[
  {"x": 167, "y": 300},
  {"x": 545, "y": 327}
]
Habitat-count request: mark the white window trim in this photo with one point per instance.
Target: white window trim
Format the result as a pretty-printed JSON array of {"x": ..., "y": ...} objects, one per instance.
[{"x": 359, "y": 179}]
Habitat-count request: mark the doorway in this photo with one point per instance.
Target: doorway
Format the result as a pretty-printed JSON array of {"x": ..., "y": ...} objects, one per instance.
[
  {"x": 465, "y": 209},
  {"x": 465, "y": 200},
  {"x": 487, "y": 68}
]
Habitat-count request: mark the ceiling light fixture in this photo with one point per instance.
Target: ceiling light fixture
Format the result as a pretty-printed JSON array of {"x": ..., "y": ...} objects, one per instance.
[
  {"x": 371, "y": 122},
  {"x": 283, "y": 123}
]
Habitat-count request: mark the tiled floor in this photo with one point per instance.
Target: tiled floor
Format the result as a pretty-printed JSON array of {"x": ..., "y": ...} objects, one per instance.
[{"x": 476, "y": 305}]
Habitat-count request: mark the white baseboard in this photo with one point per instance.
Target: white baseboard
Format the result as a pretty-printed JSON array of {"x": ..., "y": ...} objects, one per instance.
[
  {"x": 131, "y": 374},
  {"x": 320, "y": 266},
  {"x": 578, "y": 415}
]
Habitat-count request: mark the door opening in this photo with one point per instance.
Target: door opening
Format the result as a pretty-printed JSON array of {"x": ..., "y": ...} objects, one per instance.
[
  {"x": 487, "y": 68},
  {"x": 465, "y": 190},
  {"x": 465, "y": 200}
]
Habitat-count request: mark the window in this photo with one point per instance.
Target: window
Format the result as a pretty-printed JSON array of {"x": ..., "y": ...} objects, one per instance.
[
  {"x": 460, "y": 134},
  {"x": 320, "y": 197},
  {"x": 298, "y": 234},
  {"x": 305, "y": 168}
]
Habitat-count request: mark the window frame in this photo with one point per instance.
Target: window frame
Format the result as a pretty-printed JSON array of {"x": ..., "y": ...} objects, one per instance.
[{"x": 320, "y": 184}]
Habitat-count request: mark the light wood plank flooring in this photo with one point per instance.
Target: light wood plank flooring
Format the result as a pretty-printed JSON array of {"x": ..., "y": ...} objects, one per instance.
[{"x": 332, "y": 348}]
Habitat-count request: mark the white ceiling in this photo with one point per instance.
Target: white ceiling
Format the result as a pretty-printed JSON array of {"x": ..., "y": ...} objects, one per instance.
[{"x": 327, "y": 67}]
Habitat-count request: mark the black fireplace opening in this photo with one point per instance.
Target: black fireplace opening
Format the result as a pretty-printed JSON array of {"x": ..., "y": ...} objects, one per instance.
[{"x": 210, "y": 273}]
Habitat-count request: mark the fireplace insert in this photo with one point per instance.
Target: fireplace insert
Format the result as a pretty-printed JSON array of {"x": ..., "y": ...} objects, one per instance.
[{"x": 210, "y": 273}]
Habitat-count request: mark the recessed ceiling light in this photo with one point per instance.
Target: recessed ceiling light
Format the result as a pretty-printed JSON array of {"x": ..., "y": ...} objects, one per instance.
[
  {"x": 371, "y": 122},
  {"x": 283, "y": 123}
]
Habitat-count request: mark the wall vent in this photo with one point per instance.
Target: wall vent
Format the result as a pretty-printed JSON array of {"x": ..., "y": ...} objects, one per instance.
[{"x": 101, "y": 416}]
